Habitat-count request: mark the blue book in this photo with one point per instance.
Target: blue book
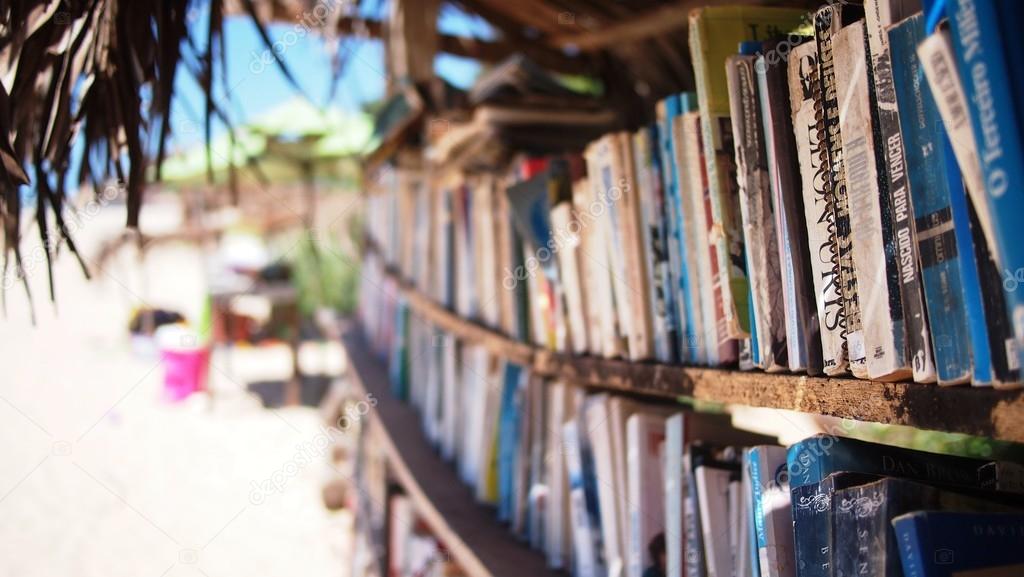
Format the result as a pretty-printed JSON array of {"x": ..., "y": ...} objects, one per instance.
[
  {"x": 398, "y": 365},
  {"x": 812, "y": 460},
  {"x": 944, "y": 543},
  {"x": 659, "y": 259},
  {"x": 748, "y": 469},
  {"x": 773, "y": 520},
  {"x": 679, "y": 279},
  {"x": 811, "y": 511},
  {"x": 948, "y": 268},
  {"x": 981, "y": 50},
  {"x": 508, "y": 438}
]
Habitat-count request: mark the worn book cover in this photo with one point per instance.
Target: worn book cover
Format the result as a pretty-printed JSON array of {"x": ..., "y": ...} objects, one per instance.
[
  {"x": 828, "y": 21},
  {"x": 818, "y": 201},
  {"x": 803, "y": 333},
  {"x": 979, "y": 38},
  {"x": 652, "y": 232},
  {"x": 879, "y": 15},
  {"x": 936, "y": 189},
  {"x": 641, "y": 346},
  {"x": 872, "y": 221},
  {"x": 757, "y": 212},
  {"x": 715, "y": 32},
  {"x": 864, "y": 542},
  {"x": 721, "y": 348}
]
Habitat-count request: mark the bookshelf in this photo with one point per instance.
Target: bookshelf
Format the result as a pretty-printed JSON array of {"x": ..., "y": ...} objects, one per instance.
[
  {"x": 482, "y": 547},
  {"x": 984, "y": 412}
]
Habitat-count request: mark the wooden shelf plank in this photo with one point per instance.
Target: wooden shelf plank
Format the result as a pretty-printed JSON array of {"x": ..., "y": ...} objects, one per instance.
[
  {"x": 471, "y": 531},
  {"x": 973, "y": 411}
]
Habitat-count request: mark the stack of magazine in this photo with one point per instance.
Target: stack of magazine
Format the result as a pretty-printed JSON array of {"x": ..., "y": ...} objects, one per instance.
[
  {"x": 609, "y": 486},
  {"x": 836, "y": 197}
]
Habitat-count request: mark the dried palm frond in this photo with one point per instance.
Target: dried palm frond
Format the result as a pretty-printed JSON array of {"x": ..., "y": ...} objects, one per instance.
[{"x": 102, "y": 72}]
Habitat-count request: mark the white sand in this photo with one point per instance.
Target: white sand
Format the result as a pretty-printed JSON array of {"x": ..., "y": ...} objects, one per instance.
[{"x": 99, "y": 477}]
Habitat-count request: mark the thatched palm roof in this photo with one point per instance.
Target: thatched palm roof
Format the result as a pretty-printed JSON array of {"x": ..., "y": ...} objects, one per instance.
[{"x": 103, "y": 72}]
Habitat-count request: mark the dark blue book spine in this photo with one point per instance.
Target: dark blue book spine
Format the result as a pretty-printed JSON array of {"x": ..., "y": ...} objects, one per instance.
[
  {"x": 980, "y": 49},
  {"x": 812, "y": 526},
  {"x": 942, "y": 544},
  {"x": 932, "y": 188}
]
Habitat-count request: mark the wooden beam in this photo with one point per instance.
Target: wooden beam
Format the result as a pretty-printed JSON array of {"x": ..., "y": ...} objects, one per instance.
[
  {"x": 489, "y": 51},
  {"x": 642, "y": 27}
]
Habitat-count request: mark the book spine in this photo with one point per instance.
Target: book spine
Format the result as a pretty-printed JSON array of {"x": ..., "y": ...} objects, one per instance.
[
  {"x": 899, "y": 205},
  {"x": 585, "y": 558},
  {"x": 803, "y": 334},
  {"x": 598, "y": 169},
  {"x": 685, "y": 289},
  {"x": 645, "y": 143},
  {"x": 675, "y": 495},
  {"x": 722, "y": 348},
  {"x": 932, "y": 191},
  {"x": 871, "y": 223},
  {"x": 698, "y": 346},
  {"x": 768, "y": 329},
  {"x": 818, "y": 202},
  {"x": 912, "y": 540},
  {"x": 827, "y": 23},
  {"x": 668, "y": 110},
  {"x": 695, "y": 559},
  {"x": 975, "y": 28},
  {"x": 726, "y": 234},
  {"x": 640, "y": 346}
]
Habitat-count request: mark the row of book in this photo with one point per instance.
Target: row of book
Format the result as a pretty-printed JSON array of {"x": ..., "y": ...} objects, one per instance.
[
  {"x": 835, "y": 198},
  {"x": 609, "y": 486}
]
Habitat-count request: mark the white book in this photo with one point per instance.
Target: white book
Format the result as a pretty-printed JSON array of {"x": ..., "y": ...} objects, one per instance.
[
  {"x": 599, "y": 431},
  {"x": 645, "y": 438},
  {"x": 450, "y": 416},
  {"x": 567, "y": 234},
  {"x": 878, "y": 286},
  {"x": 713, "y": 501},
  {"x": 606, "y": 193},
  {"x": 585, "y": 555},
  {"x": 485, "y": 238},
  {"x": 939, "y": 65},
  {"x": 641, "y": 344},
  {"x": 687, "y": 146},
  {"x": 736, "y": 526},
  {"x": 556, "y": 527},
  {"x": 487, "y": 482},
  {"x": 821, "y": 231},
  {"x": 473, "y": 403},
  {"x": 675, "y": 495},
  {"x": 712, "y": 301},
  {"x": 773, "y": 515}
]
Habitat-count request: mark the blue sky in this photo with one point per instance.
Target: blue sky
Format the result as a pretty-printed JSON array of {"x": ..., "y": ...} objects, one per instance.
[{"x": 256, "y": 84}]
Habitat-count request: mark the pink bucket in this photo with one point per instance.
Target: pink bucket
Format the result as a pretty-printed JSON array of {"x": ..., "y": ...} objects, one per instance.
[{"x": 184, "y": 372}]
